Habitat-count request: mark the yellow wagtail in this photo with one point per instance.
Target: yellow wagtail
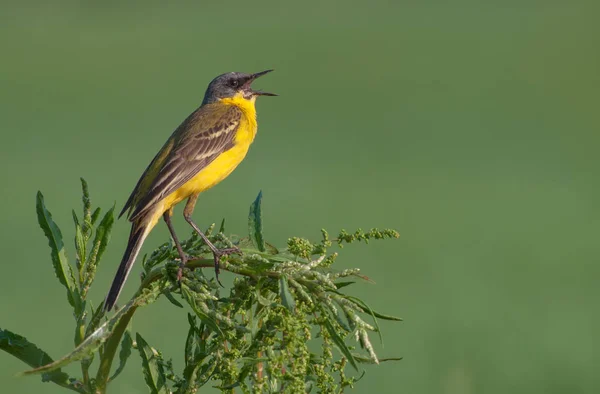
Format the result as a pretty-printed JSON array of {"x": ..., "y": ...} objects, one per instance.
[{"x": 201, "y": 152}]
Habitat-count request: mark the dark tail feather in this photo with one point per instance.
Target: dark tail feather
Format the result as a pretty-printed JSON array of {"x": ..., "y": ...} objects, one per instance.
[{"x": 136, "y": 239}]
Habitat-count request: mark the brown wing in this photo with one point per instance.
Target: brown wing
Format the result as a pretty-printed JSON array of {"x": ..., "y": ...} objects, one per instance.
[
  {"x": 149, "y": 173},
  {"x": 199, "y": 140}
]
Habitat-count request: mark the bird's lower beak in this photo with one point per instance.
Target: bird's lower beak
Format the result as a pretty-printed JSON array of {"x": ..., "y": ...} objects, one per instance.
[
  {"x": 258, "y": 92},
  {"x": 261, "y": 93}
]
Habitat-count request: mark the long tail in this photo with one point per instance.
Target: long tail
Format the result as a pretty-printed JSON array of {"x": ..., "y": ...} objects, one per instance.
[{"x": 136, "y": 239}]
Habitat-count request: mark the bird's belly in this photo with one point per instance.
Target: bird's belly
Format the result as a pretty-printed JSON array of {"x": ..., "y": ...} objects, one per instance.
[
  {"x": 210, "y": 175},
  {"x": 218, "y": 170}
]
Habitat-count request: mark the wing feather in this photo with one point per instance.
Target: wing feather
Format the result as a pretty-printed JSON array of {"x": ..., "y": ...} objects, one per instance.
[
  {"x": 199, "y": 140},
  {"x": 149, "y": 173}
]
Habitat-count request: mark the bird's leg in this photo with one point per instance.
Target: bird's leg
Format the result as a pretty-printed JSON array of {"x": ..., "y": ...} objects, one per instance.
[
  {"x": 217, "y": 253},
  {"x": 182, "y": 255}
]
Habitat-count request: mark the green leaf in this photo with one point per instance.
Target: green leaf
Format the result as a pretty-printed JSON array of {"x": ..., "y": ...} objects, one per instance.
[
  {"x": 126, "y": 345},
  {"x": 366, "y": 309},
  {"x": 95, "y": 215},
  {"x": 154, "y": 375},
  {"x": 361, "y": 304},
  {"x": 222, "y": 226},
  {"x": 102, "y": 237},
  {"x": 31, "y": 355},
  {"x": 62, "y": 268},
  {"x": 255, "y": 224},
  {"x": 205, "y": 373},
  {"x": 206, "y": 319},
  {"x": 309, "y": 383},
  {"x": 339, "y": 342},
  {"x": 89, "y": 345},
  {"x": 339, "y": 285},
  {"x": 195, "y": 355},
  {"x": 249, "y": 364},
  {"x": 287, "y": 299},
  {"x": 172, "y": 299},
  {"x": 95, "y": 320},
  {"x": 191, "y": 341},
  {"x": 346, "y": 325},
  {"x": 368, "y": 360},
  {"x": 247, "y": 245},
  {"x": 266, "y": 301},
  {"x": 117, "y": 330},
  {"x": 228, "y": 387},
  {"x": 75, "y": 218}
]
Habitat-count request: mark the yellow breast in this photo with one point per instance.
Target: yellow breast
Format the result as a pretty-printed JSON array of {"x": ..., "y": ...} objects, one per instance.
[{"x": 223, "y": 165}]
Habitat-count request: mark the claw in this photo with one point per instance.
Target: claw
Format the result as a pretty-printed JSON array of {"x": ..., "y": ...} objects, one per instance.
[
  {"x": 182, "y": 263},
  {"x": 179, "y": 275},
  {"x": 217, "y": 257}
]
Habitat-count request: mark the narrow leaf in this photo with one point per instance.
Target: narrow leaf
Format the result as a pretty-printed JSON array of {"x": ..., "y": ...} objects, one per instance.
[
  {"x": 194, "y": 356},
  {"x": 172, "y": 299},
  {"x": 89, "y": 345},
  {"x": 287, "y": 299},
  {"x": 339, "y": 342},
  {"x": 126, "y": 345},
  {"x": 154, "y": 375},
  {"x": 228, "y": 387},
  {"x": 347, "y": 325},
  {"x": 255, "y": 230},
  {"x": 366, "y": 309},
  {"x": 102, "y": 237},
  {"x": 62, "y": 268},
  {"x": 266, "y": 301},
  {"x": 190, "y": 374},
  {"x": 206, "y": 319},
  {"x": 95, "y": 215},
  {"x": 361, "y": 304},
  {"x": 31, "y": 355},
  {"x": 339, "y": 285},
  {"x": 75, "y": 218},
  {"x": 368, "y": 360},
  {"x": 95, "y": 320},
  {"x": 191, "y": 341},
  {"x": 249, "y": 364}
]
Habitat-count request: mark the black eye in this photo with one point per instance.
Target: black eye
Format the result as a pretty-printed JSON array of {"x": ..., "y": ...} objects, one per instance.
[{"x": 233, "y": 83}]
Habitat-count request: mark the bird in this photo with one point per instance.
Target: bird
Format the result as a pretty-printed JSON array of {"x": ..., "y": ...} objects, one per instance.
[{"x": 206, "y": 147}]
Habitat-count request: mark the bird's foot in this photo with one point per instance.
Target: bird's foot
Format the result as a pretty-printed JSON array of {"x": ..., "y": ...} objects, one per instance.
[
  {"x": 218, "y": 253},
  {"x": 183, "y": 259}
]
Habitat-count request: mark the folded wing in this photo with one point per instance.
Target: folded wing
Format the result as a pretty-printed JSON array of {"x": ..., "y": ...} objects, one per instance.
[{"x": 199, "y": 140}]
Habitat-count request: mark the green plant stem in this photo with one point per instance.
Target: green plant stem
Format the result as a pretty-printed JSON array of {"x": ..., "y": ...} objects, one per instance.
[
  {"x": 85, "y": 372},
  {"x": 110, "y": 349},
  {"x": 157, "y": 274},
  {"x": 85, "y": 366}
]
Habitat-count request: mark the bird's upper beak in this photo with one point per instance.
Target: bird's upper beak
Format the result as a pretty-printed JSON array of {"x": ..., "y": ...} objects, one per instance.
[{"x": 257, "y": 92}]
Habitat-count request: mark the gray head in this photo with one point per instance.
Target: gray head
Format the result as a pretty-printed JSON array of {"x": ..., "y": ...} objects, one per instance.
[{"x": 231, "y": 84}]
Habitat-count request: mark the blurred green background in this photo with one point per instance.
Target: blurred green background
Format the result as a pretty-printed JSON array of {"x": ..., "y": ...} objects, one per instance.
[{"x": 471, "y": 127}]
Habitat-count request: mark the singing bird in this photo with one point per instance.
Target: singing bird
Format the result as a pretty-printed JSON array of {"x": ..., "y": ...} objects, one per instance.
[{"x": 201, "y": 152}]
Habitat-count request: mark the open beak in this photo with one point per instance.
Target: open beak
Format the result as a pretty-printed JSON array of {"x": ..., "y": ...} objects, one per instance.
[{"x": 258, "y": 92}]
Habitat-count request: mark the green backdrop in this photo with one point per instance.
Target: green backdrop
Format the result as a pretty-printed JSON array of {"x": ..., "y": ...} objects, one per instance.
[{"x": 471, "y": 127}]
